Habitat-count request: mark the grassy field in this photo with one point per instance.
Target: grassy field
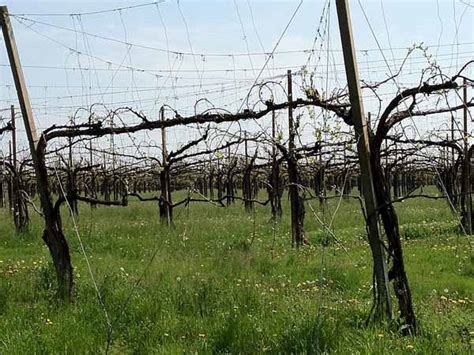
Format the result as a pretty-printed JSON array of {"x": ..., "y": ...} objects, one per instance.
[{"x": 224, "y": 281}]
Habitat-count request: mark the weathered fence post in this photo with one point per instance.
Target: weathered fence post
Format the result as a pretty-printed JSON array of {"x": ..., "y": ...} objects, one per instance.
[
  {"x": 296, "y": 202},
  {"x": 165, "y": 203},
  {"x": 466, "y": 200},
  {"x": 20, "y": 209},
  {"x": 275, "y": 190},
  {"x": 383, "y": 304},
  {"x": 247, "y": 190},
  {"x": 52, "y": 235}
]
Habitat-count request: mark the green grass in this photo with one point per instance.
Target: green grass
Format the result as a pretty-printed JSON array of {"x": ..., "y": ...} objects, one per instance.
[{"x": 219, "y": 285}]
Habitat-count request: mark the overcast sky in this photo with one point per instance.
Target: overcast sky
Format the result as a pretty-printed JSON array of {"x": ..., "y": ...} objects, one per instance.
[{"x": 68, "y": 66}]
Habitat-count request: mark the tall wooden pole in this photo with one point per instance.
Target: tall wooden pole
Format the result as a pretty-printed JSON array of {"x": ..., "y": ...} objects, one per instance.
[
  {"x": 93, "y": 189},
  {"x": 296, "y": 204},
  {"x": 71, "y": 183},
  {"x": 71, "y": 122},
  {"x": 10, "y": 153},
  {"x": 291, "y": 128},
  {"x": 164, "y": 152},
  {"x": 467, "y": 162},
  {"x": 274, "y": 128},
  {"x": 14, "y": 182},
  {"x": 229, "y": 179},
  {"x": 453, "y": 151},
  {"x": 246, "y": 148},
  {"x": 164, "y": 176},
  {"x": 164, "y": 158},
  {"x": 12, "y": 108},
  {"x": 52, "y": 235},
  {"x": 275, "y": 174},
  {"x": 445, "y": 155},
  {"x": 91, "y": 157},
  {"x": 383, "y": 305},
  {"x": 247, "y": 179},
  {"x": 9, "y": 181}
]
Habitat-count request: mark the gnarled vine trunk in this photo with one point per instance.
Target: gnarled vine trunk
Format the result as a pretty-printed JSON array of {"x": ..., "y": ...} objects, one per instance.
[
  {"x": 247, "y": 188},
  {"x": 389, "y": 218},
  {"x": 165, "y": 202},
  {"x": 53, "y": 235},
  {"x": 275, "y": 190},
  {"x": 20, "y": 208},
  {"x": 296, "y": 203}
]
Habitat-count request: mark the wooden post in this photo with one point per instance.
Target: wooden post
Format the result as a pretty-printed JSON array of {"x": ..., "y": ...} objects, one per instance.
[
  {"x": 383, "y": 305},
  {"x": 230, "y": 178},
  {"x": 211, "y": 179},
  {"x": 2, "y": 187},
  {"x": 69, "y": 140},
  {"x": 71, "y": 182},
  {"x": 9, "y": 181},
  {"x": 296, "y": 203},
  {"x": 274, "y": 128},
  {"x": 12, "y": 109},
  {"x": 319, "y": 178},
  {"x": 92, "y": 187},
  {"x": 91, "y": 157},
  {"x": 165, "y": 200},
  {"x": 247, "y": 179},
  {"x": 14, "y": 188},
  {"x": 52, "y": 235},
  {"x": 164, "y": 152},
  {"x": 19, "y": 206},
  {"x": 291, "y": 128},
  {"x": 453, "y": 151},
  {"x": 275, "y": 189},
  {"x": 246, "y": 148},
  {"x": 13, "y": 191},
  {"x": 467, "y": 166}
]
